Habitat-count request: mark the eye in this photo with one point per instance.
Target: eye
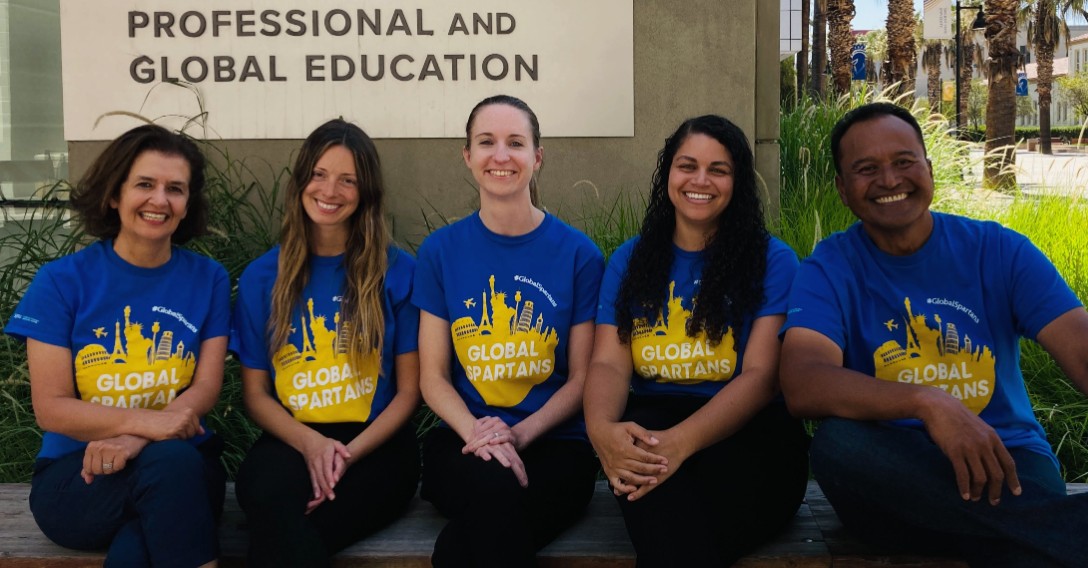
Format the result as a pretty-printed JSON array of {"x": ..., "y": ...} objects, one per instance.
[
  {"x": 866, "y": 170},
  {"x": 317, "y": 175},
  {"x": 484, "y": 142},
  {"x": 176, "y": 189},
  {"x": 904, "y": 163},
  {"x": 686, "y": 167},
  {"x": 143, "y": 184},
  {"x": 721, "y": 171},
  {"x": 349, "y": 181},
  {"x": 517, "y": 144}
]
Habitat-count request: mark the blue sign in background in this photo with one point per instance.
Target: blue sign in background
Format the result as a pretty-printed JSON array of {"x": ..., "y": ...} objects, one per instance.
[
  {"x": 857, "y": 59},
  {"x": 1021, "y": 84}
]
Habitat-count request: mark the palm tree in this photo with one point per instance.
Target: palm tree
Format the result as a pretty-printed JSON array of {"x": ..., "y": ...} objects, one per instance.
[
  {"x": 876, "y": 49},
  {"x": 931, "y": 61},
  {"x": 802, "y": 57},
  {"x": 1046, "y": 27},
  {"x": 971, "y": 53},
  {"x": 819, "y": 46},
  {"x": 901, "y": 51},
  {"x": 839, "y": 15},
  {"x": 1001, "y": 101}
]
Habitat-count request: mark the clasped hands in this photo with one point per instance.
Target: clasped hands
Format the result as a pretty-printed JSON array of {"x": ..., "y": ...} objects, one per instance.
[
  {"x": 327, "y": 459},
  {"x": 492, "y": 439},
  {"x": 111, "y": 455},
  {"x": 636, "y": 460}
]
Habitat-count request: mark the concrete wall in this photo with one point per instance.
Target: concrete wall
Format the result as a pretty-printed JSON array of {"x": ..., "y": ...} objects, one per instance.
[{"x": 691, "y": 58}]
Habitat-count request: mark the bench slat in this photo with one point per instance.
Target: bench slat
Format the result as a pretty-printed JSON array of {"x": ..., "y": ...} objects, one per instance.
[{"x": 815, "y": 539}]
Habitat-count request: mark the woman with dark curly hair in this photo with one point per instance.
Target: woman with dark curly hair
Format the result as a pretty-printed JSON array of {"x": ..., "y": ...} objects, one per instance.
[
  {"x": 126, "y": 341},
  {"x": 687, "y": 320}
]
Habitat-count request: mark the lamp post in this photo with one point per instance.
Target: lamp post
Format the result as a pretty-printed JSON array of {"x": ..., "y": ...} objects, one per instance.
[{"x": 979, "y": 23}]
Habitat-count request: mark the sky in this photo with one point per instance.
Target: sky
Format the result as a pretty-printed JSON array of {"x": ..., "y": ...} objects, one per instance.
[{"x": 872, "y": 14}]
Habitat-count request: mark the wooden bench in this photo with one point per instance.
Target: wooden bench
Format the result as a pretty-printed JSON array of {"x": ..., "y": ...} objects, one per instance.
[{"x": 815, "y": 539}]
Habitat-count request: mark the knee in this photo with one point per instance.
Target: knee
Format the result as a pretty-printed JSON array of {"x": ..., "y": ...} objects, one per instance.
[
  {"x": 839, "y": 442},
  {"x": 171, "y": 461}
]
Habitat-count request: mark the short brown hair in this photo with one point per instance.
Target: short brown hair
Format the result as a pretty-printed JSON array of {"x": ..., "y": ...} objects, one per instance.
[{"x": 102, "y": 183}]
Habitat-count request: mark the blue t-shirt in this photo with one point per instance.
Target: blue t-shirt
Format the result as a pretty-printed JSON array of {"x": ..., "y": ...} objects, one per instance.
[
  {"x": 134, "y": 333},
  {"x": 665, "y": 359},
  {"x": 511, "y": 302},
  {"x": 312, "y": 374},
  {"x": 950, "y": 315}
]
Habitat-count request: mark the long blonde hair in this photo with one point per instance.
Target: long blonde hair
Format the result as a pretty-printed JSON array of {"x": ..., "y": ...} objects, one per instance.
[{"x": 365, "y": 257}]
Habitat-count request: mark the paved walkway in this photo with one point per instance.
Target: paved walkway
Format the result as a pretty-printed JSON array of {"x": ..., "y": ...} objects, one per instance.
[{"x": 1065, "y": 173}]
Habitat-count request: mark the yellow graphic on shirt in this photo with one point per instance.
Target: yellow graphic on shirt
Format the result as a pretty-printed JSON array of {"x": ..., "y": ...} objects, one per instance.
[
  {"x": 140, "y": 372},
  {"x": 665, "y": 353},
  {"x": 507, "y": 352},
  {"x": 318, "y": 383},
  {"x": 937, "y": 356}
]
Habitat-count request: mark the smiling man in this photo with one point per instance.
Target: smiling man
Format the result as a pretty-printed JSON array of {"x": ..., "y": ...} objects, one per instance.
[{"x": 903, "y": 333}]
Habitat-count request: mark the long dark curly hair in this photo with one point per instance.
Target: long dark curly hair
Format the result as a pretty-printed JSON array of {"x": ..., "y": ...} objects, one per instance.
[{"x": 735, "y": 257}]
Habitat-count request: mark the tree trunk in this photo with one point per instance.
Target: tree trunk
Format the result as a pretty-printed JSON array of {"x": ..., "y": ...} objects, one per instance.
[
  {"x": 819, "y": 47},
  {"x": 1000, "y": 162},
  {"x": 901, "y": 50},
  {"x": 1046, "y": 36},
  {"x": 967, "y": 72},
  {"x": 839, "y": 15},
  {"x": 802, "y": 57},
  {"x": 931, "y": 60},
  {"x": 1043, "y": 86}
]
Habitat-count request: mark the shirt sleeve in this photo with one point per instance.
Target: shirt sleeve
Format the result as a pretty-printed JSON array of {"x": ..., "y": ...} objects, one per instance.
[
  {"x": 405, "y": 314},
  {"x": 778, "y": 279},
  {"x": 428, "y": 294},
  {"x": 249, "y": 338},
  {"x": 44, "y": 313},
  {"x": 1039, "y": 293},
  {"x": 610, "y": 284},
  {"x": 587, "y": 282},
  {"x": 218, "y": 323},
  {"x": 814, "y": 302}
]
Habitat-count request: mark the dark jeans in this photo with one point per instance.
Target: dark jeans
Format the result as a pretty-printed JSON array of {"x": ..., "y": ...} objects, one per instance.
[
  {"x": 893, "y": 486},
  {"x": 273, "y": 487},
  {"x": 724, "y": 500},
  {"x": 494, "y": 521},
  {"x": 160, "y": 510}
]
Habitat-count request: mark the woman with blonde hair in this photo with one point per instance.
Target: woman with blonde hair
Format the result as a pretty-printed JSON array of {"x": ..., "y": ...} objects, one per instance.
[{"x": 327, "y": 338}]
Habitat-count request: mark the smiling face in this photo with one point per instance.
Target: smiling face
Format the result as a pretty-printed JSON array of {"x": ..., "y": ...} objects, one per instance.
[
  {"x": 700, "y": 184},
  {"x": 887, "y": 182},
  {"x": 332, "y": 194},
  {"x": 501, "y": 152},
  {"x": 153, "y": 200}
]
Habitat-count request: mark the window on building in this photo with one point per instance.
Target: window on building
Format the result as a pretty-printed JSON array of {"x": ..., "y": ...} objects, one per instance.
[{"x": 33, "y": 152}]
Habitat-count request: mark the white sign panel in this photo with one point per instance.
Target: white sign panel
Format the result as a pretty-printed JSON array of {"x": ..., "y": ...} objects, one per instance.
[
  {"x": 400, "y": 69},
  {"x": 937, "y": 19}
]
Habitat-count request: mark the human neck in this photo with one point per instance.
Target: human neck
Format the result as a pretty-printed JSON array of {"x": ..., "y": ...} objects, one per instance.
[
  {"x": 142, "y": 253},
  {"x": 510, "y": 219},
  {"x": 325, "y": 241},
  {"x": 688, "y": 238},
  {"x": 905, "y": 242}
]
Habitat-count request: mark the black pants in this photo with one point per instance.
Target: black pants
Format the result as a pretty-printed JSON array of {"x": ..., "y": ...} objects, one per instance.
[
  {"x": 726, "y": 499},
  {"x": 493, "y": 520},
  {"x": 273, "y": 487}
]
